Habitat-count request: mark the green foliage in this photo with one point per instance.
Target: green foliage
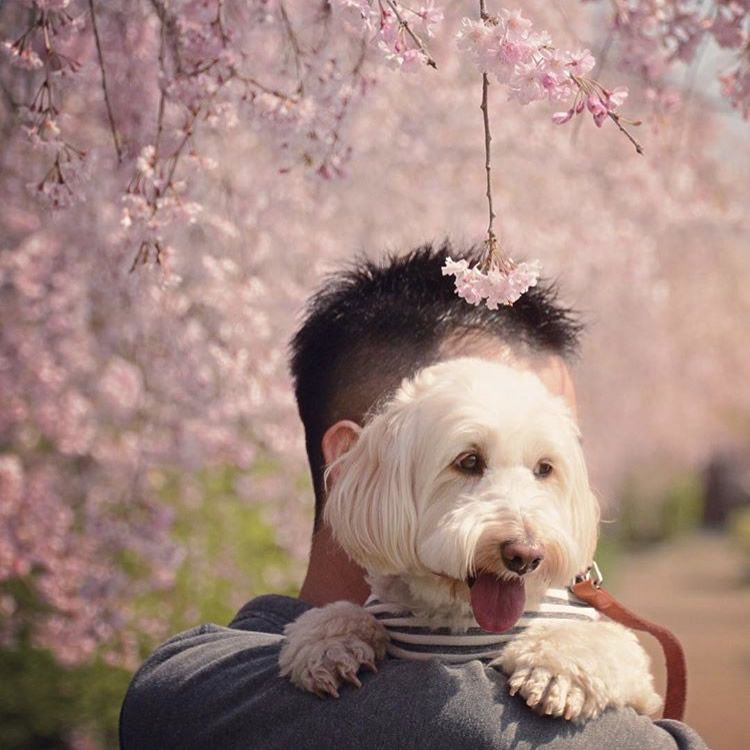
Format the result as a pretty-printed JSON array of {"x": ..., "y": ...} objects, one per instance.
[
  {"x": 231, "y": 556},
  {"x": 739, "y": 529},
  {"x": 41, "y": 702},
  {"x": 608, "y": 553},
  {"x": 651, "y": 512},
  {"x": 682, "y": 506},
  {"x": 231, "y": 551}
]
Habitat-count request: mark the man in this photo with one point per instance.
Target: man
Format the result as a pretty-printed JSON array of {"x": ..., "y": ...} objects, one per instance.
[{"x": 216, "y": 687}]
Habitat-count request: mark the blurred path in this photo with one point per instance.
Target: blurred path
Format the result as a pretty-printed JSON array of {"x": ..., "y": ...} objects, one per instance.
[{"x": 694, "y": 587}]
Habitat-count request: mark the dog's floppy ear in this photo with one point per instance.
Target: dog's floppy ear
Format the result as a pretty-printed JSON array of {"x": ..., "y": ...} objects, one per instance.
[{"x": 370, "y": 507}]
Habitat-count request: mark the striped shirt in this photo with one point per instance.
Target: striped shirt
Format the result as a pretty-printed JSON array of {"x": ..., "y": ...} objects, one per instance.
[{"x": 412, "y": 638}]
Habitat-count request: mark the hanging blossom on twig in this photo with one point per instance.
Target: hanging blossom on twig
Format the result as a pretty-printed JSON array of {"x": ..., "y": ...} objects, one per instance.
[
  {"x": 735, "y": 85},
  {"x": 507, "y": 47},
  {"x": 40, "y": 48},
  {"x": 653, "y": 35},
  {"x": 496, "y": 280},
  {"x": 398, "y": 30},
  {"x": 497, "y": 285}
]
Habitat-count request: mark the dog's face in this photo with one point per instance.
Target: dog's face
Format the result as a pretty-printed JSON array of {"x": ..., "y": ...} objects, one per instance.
[{"x": 474, "y": 472}]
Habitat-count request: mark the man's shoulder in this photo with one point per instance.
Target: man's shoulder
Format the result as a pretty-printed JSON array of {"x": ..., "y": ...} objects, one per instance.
[
  {"x": 215, "y": 686},
  {"x": 256, "y": 627},
  {"x": 269, "y": 613}
]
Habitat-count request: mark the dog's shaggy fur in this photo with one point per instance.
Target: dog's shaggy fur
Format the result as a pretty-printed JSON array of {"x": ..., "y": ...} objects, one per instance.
[{"x": 467, "y": 457}]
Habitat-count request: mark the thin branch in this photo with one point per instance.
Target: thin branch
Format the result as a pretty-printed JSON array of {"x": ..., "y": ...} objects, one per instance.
[
  {"x": 492, "y": 244},
  {"x": 162, "y": 94},
  {"x": 110, "y": 114},
  {"x": 405, "y": 26},
  {"x": 219, "y": 22},
  {"x": 266, "y": 89},
  {"x": 294, "y": 42},
  {"x": 616, "y": 120},
  {"x": 324, "y": 21},
  {"x": 341, "y": 115},
  {"x": 168, "y": 24},
  {"x": 588, "y": 88},
  {"x": 491, "y": 237},
  {"x": 175, "y": 157}
]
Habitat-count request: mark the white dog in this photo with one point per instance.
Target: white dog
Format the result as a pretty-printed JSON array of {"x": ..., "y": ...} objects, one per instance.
[{"x": 466, "y": 499}]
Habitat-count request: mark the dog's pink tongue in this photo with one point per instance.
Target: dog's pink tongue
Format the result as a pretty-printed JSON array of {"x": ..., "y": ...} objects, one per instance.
[{"x": 497, "y": 604}]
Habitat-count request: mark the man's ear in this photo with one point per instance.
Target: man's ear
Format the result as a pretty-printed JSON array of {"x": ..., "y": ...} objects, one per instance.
[{"x": 338, "y": 439}]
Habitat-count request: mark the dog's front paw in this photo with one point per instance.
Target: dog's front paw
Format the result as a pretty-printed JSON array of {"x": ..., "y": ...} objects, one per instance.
[
  {"x": 559, "y": 694},
  {"x": 576, "y": 670},
  {"x": 327, "y": 646}
]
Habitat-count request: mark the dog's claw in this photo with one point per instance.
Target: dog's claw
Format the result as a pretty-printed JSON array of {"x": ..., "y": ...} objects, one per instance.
[
  {"x": 327, "y": 686},
  {"x": 325, "y": 648},
  {"x": 350, "y": 676},
  {"x": 557, "y": 695},
  {"x": 536, "y": 687},
  {"x": 574, "y": 703},
  {"x": 517, "y": 680}
]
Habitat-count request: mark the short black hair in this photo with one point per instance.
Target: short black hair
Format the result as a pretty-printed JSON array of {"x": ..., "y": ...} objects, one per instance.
[{"x": 373, "y": 324}]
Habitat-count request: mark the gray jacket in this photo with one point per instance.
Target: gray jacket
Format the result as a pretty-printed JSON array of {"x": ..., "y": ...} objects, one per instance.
[{"x": 217, "y": 687}]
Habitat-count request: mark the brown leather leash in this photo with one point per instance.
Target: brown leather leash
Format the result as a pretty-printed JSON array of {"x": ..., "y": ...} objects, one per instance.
[{"x": 591, "y": 592}]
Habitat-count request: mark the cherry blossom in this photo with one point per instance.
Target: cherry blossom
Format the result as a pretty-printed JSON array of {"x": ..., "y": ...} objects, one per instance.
[
  {"x": 145, "y": 320},
  {"x": 654, "y": 36},
  {"x": 496, "y": 286},
  {"x": 525, "y": 61}
]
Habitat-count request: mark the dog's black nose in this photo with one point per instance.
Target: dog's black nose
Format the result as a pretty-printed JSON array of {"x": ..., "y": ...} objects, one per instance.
[{"x": 521, "y": 558}]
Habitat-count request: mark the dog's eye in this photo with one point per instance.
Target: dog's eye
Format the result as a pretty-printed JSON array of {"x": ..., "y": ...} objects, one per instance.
[
  {"x": 470, "y": 463},
  {"x": 543, "y": 469}
]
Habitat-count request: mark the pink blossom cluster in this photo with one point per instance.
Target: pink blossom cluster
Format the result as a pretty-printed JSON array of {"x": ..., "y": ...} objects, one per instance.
[
  {"x": 507, "y": 47},
  {"x": 44, "y": 47},
  {"x": 22, "y": 56},
  {"x": 397, "y": 29},
  {"x": 68, "y": 412},
  {"x": 107, "y": 380},
  {"x": 600, "y": 102},
  {"x": 120, "y": 390},
  {"x": 654, "y": 35},
  {"x": 115, "y": 368},
  {"x": 735, "y": 85},
  {"x": 494, "y": 286},
  {"x": 205, "y": 79}
]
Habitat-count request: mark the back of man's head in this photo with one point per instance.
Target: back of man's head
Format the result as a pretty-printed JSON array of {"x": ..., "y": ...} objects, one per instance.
[{"x": 373, "y": 325}]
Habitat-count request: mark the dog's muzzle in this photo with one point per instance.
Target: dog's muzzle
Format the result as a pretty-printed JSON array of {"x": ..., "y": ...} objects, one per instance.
[{"x": 521, "y": 558}]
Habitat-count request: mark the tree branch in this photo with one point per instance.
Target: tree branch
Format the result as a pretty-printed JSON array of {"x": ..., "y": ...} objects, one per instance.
[
  {"x": 162, "y": 94},
  {"x": 108, "y": 104},
  {"x": 491, "y": 237},
  {"x": 616, "y": 120},
  {"x": 492, "y": 244},
  {"x": 296, "y": 49},
  {"x": 405, "y": 26}
]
